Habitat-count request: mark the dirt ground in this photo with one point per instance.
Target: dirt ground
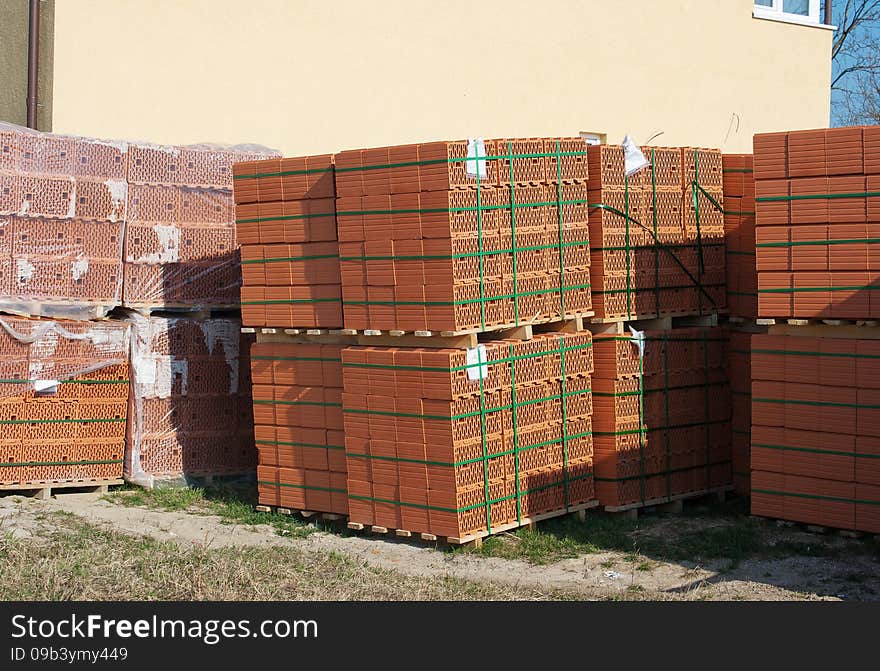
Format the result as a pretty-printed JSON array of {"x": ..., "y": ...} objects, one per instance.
[{"x": 842, "y": 569}]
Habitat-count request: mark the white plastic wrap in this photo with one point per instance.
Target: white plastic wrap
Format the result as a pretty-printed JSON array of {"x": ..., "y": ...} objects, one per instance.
[
  {"x": 63, "y": 399},
  {"x": 190, "y": 411},
  {"x": 65, "y": 207}
]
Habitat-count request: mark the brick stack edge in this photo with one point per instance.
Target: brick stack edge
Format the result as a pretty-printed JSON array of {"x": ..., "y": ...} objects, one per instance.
[
  {"x": 816, "y": 223},
  {"x": 63, "y": 397},
  {"x": 661, "y": 421},
  {"x": 739, "y": 372},
  {"x": 814, "y": 442},
  {"x": 285, "y": 212},
  {"x": 816, "y": 430},
  {"x": 739, "y": 236},
  {"x": 190, "y": 411}
]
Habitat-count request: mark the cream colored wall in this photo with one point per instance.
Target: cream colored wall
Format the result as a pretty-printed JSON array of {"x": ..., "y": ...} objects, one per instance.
[{"x": 310, "y": 76}]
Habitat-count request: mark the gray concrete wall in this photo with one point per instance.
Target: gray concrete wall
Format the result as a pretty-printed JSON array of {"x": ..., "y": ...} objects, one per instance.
[{"x": 13, "y": 62}]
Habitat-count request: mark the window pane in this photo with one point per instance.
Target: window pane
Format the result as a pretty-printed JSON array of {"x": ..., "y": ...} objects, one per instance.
[
  {"x": 764, "y": 3},
  {"x": 801, "y": 7}
]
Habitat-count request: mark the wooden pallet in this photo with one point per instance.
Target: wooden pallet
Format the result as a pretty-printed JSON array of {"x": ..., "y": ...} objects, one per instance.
[
  {"x": 816, "y": 528},
  {"x": 44, "y": 490},
  {"x": 852, "y": 330},
  {"x": 653, "y": 316},
  {"x": 477, "y": 538},
  {"x": 302, "y": 336},
  {"x": 666, "y": 323},
  {"x": 51, "y": 309},
  {"x": 669, "y": 504},
  {"x": 819, "y": 322},
  {"x": 467, "y": 338},
  {"x": 306, "y": 514}
]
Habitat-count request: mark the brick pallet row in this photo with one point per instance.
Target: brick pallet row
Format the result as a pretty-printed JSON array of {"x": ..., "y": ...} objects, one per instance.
[
  {"x": 818, "y": 222},
  {"x": 739, "y": 235},
  {"x": 465, "y": 443},
  {"x": 285, "y": 214},
  {"x": 190, "y": 408},
  {"x": 463, "y": 235},
  {"x": 299, "y": 426},
  {"x": 661, "y": 415},
  {"x": 87, "y": 225},
  {"x": 656, "y": 236},
  {"x": 815, "y": 444},
  {"x": 63, "y": 400}
]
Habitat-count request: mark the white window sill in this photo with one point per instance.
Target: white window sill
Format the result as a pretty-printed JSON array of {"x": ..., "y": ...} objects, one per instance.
[{"x": 790, "y": 18}]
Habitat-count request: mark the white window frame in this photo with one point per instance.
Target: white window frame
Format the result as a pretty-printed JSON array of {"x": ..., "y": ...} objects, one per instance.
[{"x": 775, "y": 13}]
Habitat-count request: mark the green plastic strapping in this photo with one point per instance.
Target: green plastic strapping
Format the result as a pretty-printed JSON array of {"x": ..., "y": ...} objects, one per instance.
[
  {"x": 286, "y": 217},
  {"x": 102, "y": 462},
  {"x": 285, "y": 301},
  {"x": 812, "y": 450},
  {"x": 817, "y": 497},
  {"x": 289, "y": 444},
  {"x": 513, "y": 243},
  {"x": 820, "y": 243},
  {"x": 269, "y": 483},
  {"x": 794, "y": 290},
  {"x": 817, "y": 196},
  {"x": 284, "y": 173},
  {"x": 455, "y": 159},
  {"x": 290, "y": 258},
  {"x": 844, "y": 355}
]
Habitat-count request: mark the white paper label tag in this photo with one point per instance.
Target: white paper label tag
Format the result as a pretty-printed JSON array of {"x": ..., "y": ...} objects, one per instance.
[
  {"x": 475, "y": 356},
  {"x": 46, "y": 386},
  {"x": 638, "y": 337},
  {"x": 634, "y": 159},
  {"x": 476, "y": 149}
]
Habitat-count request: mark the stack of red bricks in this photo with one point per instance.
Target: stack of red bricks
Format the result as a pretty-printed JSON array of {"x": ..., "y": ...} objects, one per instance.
[
  {"x": 739, "y": 235},
  {"x": 180, "y": 245},
  {"x": 63, "y": 398},
  {"x": 190, "y": 410},
  {"x": 457, "y": 443},
  {"x": 818, "y": 223},
  {"x": 657, "y": 236},
  {"x": 661, "y": 420},
  {"x": 739, "y": 372},
  {"x": 62, "y": 213},
  {"x": 463, "y": 235},
  {"x": 816, "y": 429},
  {"x": 299, "y": 427},
  {"x": 286, "y": 221}
]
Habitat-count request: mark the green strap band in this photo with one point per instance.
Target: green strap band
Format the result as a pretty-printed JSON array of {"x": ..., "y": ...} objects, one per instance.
[
  {"x": 818, "y": 497},
  {"x": 812, "y": 450},
  {"x": 792, "y": 290},
  {"x": 61, "y": 421},
  {"x": 482, "y": 300},
  {"x": 284, "y": 173},
  {"x": 456, "y": 159},
  {"x": 101, "y": 462},
  {"x": 296, "y": 358},
  {"x": 739, "y": 170},
  {"x": 817, "y": 196},
  {"x": 462, "y": 208},
  {"x": 653, "y": 429},
  {"x": 278, "y": 259},
  {"x": 842, "y": 355},
  {"x": 289, "y": 444},
  {"x": 464, "y": 255},
  {"x": 286, "y": 217},
  {"x": 275, "y": 402},
  {"x": 284, "y": 301},
  {"x": 823, "y": 404},
  {"x": 654, "y": 474},
  {"x": 269, "y": 483},
  {"x": 820, "y": 243},
  {"x": 666, "y": 388}
]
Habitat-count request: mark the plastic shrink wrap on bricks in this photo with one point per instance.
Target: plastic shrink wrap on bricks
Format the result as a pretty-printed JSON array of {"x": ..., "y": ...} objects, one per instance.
[
  {"x": 63, "y": 399},
  {"x": 190, "y": 404},
  {"x": 66, "y": 206}
]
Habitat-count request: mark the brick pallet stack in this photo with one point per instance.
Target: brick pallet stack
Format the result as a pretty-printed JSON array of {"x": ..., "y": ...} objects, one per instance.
[
  {"x": 742, "y": 305},
  {"x": 657, "y": 236},
  {"x": 464, "y": 443},
  {"x": 814, "y": 399},
  {"x": 62, "y": 216},
  {"x": 63, "y": 396},
  {"x": 466, "y": 235},
  {"x": 458, "y": 439},
  {"x": 661, "y": 421},
  {"x": 190, "y": 404},
  {"x": 286, "y": 218}
]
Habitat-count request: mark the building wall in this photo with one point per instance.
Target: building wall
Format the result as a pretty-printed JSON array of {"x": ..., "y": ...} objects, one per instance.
[
  {"x": 13, "y": 62},
  {"x": 309, "y": 76}
]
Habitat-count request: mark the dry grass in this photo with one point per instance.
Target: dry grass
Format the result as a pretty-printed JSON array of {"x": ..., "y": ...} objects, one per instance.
[{"x": 68, "y": 559}]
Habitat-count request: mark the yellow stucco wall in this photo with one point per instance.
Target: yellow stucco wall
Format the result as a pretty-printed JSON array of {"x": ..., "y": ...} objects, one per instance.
[
  {"x": 14, "y": 61},
  {"x": 309, "y": 76}
]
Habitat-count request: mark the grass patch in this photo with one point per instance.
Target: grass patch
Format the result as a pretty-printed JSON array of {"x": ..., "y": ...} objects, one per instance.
[
  {"x": 231, "y": 505},
  {"x": 69, "y": 559}
]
